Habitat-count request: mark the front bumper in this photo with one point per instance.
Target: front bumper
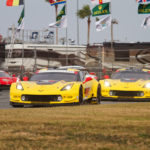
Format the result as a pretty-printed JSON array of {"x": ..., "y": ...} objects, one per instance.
[
  {"x": 126, "y": 95},
  {"x": 126, "y": 99},
  {"x": 42, "y": 104},
  {"x": 44, "y": 99}
]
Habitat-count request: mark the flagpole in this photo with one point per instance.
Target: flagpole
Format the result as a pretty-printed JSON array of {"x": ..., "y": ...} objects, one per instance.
[
  {"x": 66, "y": 38},
  {"x": 113, "y": 21},
  {"x": 77, "y": 23},
  {"x": 56, "y": 12},
  {"x": 111, "y": 30},
  {"x": 23, "y": 46}
]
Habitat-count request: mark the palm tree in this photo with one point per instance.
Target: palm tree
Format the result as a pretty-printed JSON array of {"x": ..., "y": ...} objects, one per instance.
[
  {"x": 56, "y": 13},
  {"x": 85, "y": 12}
]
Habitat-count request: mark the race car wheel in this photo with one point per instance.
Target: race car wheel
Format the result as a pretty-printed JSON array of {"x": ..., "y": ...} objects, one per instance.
[
  {"x": 99, "y": 95},
  {"x": 16, "y": 105},
  {"x": 81, "y": 95}
]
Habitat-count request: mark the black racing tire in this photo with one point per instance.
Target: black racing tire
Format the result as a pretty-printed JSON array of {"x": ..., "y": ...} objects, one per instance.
[
  {"x": 16, "y": 105},
  {"x": 99, "y": 97},
  {"x": 81, "y": 95}
]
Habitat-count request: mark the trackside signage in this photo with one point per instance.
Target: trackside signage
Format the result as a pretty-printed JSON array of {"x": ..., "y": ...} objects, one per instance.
[
  {"x": 144, "y": 9},
  {"x": 102, "y": 9}
]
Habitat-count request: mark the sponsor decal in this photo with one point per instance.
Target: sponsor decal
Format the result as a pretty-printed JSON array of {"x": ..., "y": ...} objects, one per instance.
[{"x": 143, "y": 57}]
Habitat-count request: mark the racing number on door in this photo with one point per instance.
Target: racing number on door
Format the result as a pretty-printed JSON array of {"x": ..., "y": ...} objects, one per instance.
[{"x": 87, "y": 91}]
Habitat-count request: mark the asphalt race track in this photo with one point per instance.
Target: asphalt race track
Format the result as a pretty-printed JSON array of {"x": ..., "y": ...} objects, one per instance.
[{"x": 4, "y": 100}]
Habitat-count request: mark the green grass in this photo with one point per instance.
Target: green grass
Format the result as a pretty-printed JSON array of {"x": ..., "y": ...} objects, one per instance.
[{"x": 98, "y": 127}]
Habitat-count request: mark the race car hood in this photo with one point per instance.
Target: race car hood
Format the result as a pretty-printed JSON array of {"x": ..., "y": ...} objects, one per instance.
[
  {"x": 132, "y": 84},
  {"x": 44, "y": 85}
]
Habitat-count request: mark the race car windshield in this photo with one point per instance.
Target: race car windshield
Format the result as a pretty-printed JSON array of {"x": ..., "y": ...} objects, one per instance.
[
  {"x": 131, "y": 75},
  {"x": 3, "y": 74},
  {"x": 68, "y": 77}
]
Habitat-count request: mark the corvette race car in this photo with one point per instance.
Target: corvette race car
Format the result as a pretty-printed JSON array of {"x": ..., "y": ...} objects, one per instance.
[
  {"x": 127, "y": 84},
  {"x": 52, "y": 87},
  {"x": 6, "y": 80}
]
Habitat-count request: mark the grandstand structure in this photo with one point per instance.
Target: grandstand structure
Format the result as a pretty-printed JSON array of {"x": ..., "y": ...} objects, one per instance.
[{"x": 35, "y": 56}]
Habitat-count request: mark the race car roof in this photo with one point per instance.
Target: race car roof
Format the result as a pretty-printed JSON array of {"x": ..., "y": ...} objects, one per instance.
[
  {"x": 72, "y": 67},
  {"x": 132, "y": 69},
  {"x": 59, "y": 71}
]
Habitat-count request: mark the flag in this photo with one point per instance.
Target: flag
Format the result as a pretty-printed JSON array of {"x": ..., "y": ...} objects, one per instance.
[
  {"x": 103, "y": 23},
  {"x": 21, "y": 21},
  {"x": 97, "y": 2},
  {"x": 146, "y": 22},
  {"x": 59, "y": 24},
  {"x": 21, "y": 26},
  {"x": 144, "y": 9},
  {"x": 56, "y": 2},
  {"x": 142, "y": 1},
  {"x": 14, "y": 2},
  {"x": 102, "y": 9},
  {"x": 62, "y": 13}
]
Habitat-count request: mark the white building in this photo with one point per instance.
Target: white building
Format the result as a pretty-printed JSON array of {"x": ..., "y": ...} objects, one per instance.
[{"x": 43, "y": 55}]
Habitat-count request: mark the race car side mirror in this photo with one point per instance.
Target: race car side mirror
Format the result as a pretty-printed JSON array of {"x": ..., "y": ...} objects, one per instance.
[
  {"x": 14, "y": 79},
  {"x": 25, "y": 78},
  {"x": 106, "y": 76},
  {"x": 88, "y": 79},
  {"x": 92, "y": 73}
]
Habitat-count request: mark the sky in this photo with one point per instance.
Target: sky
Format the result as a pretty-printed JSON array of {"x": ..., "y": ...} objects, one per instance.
[{"x": 40, "y": 14}]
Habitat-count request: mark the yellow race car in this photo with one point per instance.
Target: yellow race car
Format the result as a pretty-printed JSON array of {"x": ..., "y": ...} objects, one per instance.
[
  {"x": 127, "y": 84},
  {"x": 53, "y": 87}
]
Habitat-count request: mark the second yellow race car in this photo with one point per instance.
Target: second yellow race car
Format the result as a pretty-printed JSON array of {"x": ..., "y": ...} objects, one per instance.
[
  {"x": 127, "y": 84},
  {"x": 55, "y": 87}
]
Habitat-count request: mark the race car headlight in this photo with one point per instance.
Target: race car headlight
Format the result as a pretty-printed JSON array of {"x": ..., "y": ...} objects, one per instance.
[
  {"x": 107, "y": 84},
  {"x": 19, "y": 86},
  {"x": 147, "y": 85},
  {"x": 59, "y": 98},
  {"x": 67, "y": 87},
  {"x": 23, "y": 97}
]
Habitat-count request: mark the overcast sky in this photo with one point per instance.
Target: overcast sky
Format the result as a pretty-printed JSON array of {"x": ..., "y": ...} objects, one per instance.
[{"x": 39, "y": 14}]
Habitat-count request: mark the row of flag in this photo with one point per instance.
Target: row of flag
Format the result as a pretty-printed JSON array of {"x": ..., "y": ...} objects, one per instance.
[
  {"x": 21, "y": 2},
  {"x": 100, "y": 7},
  {"x": 61, "y": 19}
]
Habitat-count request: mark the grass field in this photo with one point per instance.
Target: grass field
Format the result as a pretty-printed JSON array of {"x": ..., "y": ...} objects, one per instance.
[{"x": 98, "y": 127}]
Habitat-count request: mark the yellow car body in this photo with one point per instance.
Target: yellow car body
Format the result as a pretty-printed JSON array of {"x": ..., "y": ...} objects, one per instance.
[
  {"x": 53, "y": 92},
  {"x": 127, "y": 84}
]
